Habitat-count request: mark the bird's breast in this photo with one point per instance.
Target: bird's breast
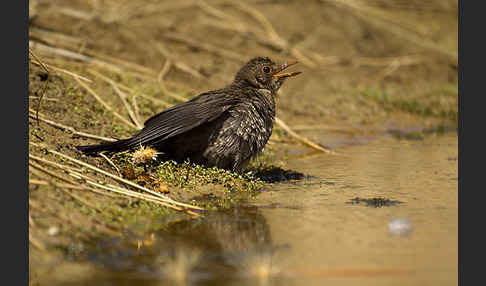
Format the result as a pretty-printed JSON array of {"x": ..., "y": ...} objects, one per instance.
[{"x": 254, "y": 124}]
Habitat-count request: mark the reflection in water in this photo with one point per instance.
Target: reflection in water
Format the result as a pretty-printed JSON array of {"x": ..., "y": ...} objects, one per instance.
[
  {"x": 306, "y": 233},
  {"x": 233, "y": 246},
  {"x": 178, "y": 266}
]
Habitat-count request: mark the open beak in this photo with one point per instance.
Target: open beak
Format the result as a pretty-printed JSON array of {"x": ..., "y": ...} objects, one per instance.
[{"x": 277, "y": 73}]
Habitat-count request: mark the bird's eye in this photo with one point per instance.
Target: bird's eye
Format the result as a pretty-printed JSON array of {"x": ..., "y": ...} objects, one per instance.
[{"x": 267, "y": 69}]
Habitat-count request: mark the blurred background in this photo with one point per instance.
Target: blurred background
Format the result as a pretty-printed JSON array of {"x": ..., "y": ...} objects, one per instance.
[{"x": 368, "y": 64}]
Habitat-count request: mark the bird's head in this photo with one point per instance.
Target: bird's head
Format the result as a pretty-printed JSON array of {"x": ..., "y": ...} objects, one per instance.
[{"x": 263, "y": 73}]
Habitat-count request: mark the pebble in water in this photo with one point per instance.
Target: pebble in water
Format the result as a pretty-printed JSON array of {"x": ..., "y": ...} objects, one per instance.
[{"x": 400, "y": 227}]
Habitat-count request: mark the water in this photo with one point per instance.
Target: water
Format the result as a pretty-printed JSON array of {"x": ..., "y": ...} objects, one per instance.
[
  {"x": 327, "y": 234},
  {"x": 309, "y": 232}
]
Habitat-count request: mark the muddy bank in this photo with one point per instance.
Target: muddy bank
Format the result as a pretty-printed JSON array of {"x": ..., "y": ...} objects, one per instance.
[{"x": 391, "y": 73}]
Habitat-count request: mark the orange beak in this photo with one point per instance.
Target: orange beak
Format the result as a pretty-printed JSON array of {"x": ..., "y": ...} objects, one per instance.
[{"x": 287, "y": 74}]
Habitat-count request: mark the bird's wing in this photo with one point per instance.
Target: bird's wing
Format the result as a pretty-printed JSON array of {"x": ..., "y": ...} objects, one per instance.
[{"x": 183, "y": 117}]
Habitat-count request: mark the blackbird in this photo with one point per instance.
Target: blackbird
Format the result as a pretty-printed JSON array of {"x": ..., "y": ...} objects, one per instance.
[{"x": 223, "y": 128}]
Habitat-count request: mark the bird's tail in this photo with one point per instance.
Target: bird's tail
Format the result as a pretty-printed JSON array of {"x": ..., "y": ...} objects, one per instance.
[{"x": 112, "y": 147}]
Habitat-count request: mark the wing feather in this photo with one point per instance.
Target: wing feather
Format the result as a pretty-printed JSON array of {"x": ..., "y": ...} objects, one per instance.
[{"x": 184, "y": 117}]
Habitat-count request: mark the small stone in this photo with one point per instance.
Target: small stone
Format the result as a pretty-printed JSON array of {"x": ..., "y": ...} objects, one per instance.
[
  {"x": 53, "y": 230},
  {"x": 400, "y": 227}
]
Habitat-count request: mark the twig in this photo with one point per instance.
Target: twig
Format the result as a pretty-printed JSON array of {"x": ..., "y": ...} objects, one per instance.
[
  {"x": 324, "y": 127},
  {"x": 129, "y": 109},
  {"x": 324, "y": 60},
  {"x": 260, "y": 18},
  {"x": 385, "y": 61},
  {"x": 151, "y": 98},
  {"x": 171, "y": 94},
  {"x": 165, "y": 70},
  {"x": 111, "y": 163},
  {"x": 127, "y": 89},
  {"x": 385, "y": 72},
  {"x": 183, "y": 67},
  {"x": 87, "y": 179},
  {"x": 204, "y": 46},
  {"x": 125, "y": 192},
  {"x": 75, "y": 13},
  {"x": 135, "y": 107},
  {"x": 121, "y": 95},
  {"x": 88, "y": 60},
  {"x": 36, "y": 243},
  {"x": 167, "y": 199},
  {"x": 170, "y": 61},
  {"x": 380, "y": 20},
  {"x": 47, "y": 98},
  {"x": 70, "y": 73},
  {"x": 51, "y": 173},
  {"x": 31, "y": 221},
  {"x": 44, "y": 86},
  {"x": 53, "y": 38},
  {"x": 71, "y": 129},
  {"x": 300, "y": 138},
  {"x": 98, "y": 98},
  {"x": 41, "y": 63},
  {"x": 37, "y": 182},
  {"x": 268, "y": 37},
  {"x": 194, "y": 214},
  {"x": 123, "y": 63},
  {"x": 70, "y": 171},
  {"x": 235, "y": 25},
  {"x": 54, "y": 164},
  {"x": 45, "y": 66},
  {"x": 272, "y": 34},
  {"x": 70, "y": 42},
  {"x": 135, "y": 195},
  {"x": 62, "y": 188},
  {"x": 65, "y": 53}
]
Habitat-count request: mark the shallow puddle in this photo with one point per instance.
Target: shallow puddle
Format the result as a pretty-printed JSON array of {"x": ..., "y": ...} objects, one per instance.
[
  {"x": 384, "y": 213},
  {"x": 354, "y": 244}
]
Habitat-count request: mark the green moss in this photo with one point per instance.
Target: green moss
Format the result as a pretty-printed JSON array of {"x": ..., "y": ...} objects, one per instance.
[
  {"x": 187, "y": 175},
  {"x": 440, "y": 103},
  {"x": 190, "y": 175},
  {"x": 137, "y": 214},
  {"x": 376, "y": 94}
]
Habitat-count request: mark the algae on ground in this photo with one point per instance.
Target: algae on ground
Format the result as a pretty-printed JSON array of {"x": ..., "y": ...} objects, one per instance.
[{"x": 441, "y": 102}]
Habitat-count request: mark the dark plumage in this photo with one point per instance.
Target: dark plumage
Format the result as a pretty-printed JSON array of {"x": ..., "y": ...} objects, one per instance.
[{"x": 223, "y": 128}]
